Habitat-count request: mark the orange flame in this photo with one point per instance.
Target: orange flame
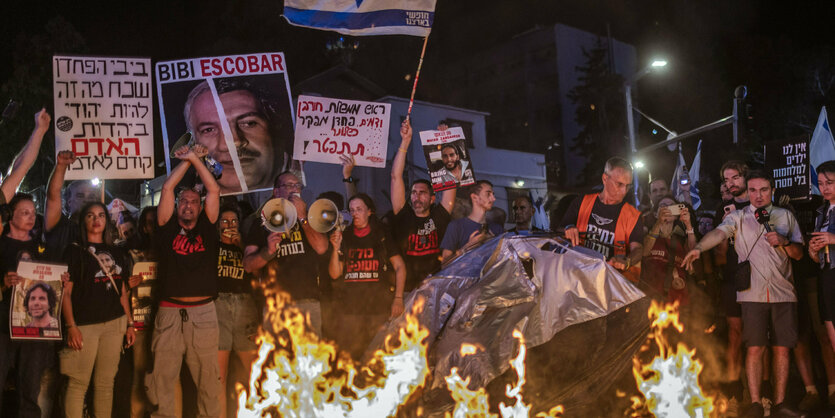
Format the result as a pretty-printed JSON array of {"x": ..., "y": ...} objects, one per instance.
[
  {"x": 475, "y": 403},
  {"x": 297, "y": 375},
  {"x": 670, "y": 382}
]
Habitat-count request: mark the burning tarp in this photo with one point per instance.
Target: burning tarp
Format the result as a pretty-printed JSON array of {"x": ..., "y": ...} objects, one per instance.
[{"x": 581, "y": 320}]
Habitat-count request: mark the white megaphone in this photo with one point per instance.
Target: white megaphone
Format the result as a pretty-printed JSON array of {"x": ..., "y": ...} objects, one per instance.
[
  {"x": 278, "y": 215},
  {"x": 324, "y": 216}
]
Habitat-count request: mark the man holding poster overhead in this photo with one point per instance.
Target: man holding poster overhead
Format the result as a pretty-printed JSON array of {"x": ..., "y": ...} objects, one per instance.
[
  {"x": 419, "y": 228},
  {"x": 239, "y": 107}
]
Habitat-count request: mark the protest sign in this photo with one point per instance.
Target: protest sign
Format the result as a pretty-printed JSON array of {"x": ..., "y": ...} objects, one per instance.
[
  {"x": 447, "y": 158},
  {"x": 239, "y": 107},
  {"x": 327, "y": 128},
  {"x": 36, "y": 302},
  {"x": 788, "y": 161},
  {"x": 142, "y": 301},
  {"x": 104, "y": 113}
]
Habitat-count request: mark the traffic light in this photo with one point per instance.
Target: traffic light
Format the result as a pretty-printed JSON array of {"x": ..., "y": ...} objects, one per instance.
[{"x": 743, "y": 114}]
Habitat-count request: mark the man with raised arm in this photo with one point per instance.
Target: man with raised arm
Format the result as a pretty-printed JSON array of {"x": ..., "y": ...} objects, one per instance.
[
  {"x": 418, "y": 228},
  {"x": 24, "y": 160},
  {"x": 61, "y": 226},
  {"x": 186, "y": 323},
  {"x": 767, "y": 237}
]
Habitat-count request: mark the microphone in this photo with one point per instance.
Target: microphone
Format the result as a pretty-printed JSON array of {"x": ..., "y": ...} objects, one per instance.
[{"x": 763, "y": 217}]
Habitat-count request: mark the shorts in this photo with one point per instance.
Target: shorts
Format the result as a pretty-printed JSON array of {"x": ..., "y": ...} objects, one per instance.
[
  {"x": 775, "y": 320},
  {"x": 237, "y": 321},
  {"x": 727, "y": 297}
]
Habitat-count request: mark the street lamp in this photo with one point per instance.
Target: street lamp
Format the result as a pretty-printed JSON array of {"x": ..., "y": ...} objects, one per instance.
[{"x": 630, "y": 123}]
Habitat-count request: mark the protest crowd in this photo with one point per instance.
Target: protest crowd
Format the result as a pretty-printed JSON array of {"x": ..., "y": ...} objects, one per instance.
[
  {"x": 210, "y": 269},
  {"x": 762, "y": 269}
]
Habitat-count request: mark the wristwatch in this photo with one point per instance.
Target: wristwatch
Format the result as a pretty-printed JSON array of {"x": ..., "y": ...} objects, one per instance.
[{"x": 348, "y": 180}]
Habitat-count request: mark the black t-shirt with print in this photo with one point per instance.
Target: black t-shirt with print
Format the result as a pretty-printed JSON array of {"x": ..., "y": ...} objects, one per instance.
[
  {"x": 11, "y": 251},
  {"x": 187, "y": 260},
  {"x": 295, "y": 266},
  {"x": 600, "y": 232},
  {"x": 231, "y": 277},
  {"x": 419, "y": 239},
  {"x": 95, "y": 298},
  {"x": 367, "y": 278}
]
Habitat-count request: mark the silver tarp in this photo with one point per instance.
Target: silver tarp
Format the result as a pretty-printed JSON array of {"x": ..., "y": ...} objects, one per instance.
[{"x": 539, "y": 286}]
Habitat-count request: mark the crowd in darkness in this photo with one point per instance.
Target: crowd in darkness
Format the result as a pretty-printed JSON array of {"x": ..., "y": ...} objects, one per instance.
[
  {"x": 214, "y": 259},
  {"x": 762, "y": 270},
  {"x": 759, "y": 263}
]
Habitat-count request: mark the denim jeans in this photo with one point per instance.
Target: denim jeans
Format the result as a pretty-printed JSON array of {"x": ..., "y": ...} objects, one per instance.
[{"x": 31, "y": 359}]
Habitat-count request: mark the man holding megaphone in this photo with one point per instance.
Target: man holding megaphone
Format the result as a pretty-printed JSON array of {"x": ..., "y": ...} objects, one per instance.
[{"x": 288, "y": 259}]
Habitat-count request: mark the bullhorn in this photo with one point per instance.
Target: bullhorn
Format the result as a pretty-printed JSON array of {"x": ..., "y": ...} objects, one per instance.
[
  {"x": 324, "y": 216},
  {"x": 278, "y": 215}
]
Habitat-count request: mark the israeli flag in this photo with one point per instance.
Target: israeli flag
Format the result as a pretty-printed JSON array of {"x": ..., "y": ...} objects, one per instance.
[
  {"x": 821, "y": 148},
  {"x": 693, "y": 173},
  {"x": 363, "y": 17}
]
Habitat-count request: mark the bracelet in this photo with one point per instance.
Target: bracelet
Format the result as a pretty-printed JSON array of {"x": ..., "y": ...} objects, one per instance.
[
  {"x": 690, "y": 231},
  {"x": 401, "y": 149},
  {"x": 656, "y": 236}
]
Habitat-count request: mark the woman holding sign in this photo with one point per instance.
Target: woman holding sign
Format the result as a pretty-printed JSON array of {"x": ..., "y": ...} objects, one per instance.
[
  {"x": 359, "y": 261},
  {"x": 96, "y": 313},
  {"x": 31, "y": 358}
]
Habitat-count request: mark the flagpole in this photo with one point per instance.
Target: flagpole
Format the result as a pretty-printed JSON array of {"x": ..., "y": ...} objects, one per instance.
[{"x": 417, "y": 76}]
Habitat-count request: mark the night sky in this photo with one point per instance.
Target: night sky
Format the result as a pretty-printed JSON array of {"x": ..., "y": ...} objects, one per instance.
[{"x": 774, "y": 48}]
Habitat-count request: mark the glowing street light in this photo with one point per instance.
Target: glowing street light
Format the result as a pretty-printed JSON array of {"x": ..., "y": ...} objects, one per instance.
[{"x": 630, "y": 123}]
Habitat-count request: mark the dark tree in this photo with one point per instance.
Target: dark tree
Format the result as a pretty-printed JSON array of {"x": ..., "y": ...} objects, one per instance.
[
  {"x": 31, "y": 86},
  {"x": 599, "y": 105}
]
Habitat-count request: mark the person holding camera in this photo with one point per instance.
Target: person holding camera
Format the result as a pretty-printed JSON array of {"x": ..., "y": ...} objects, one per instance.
[
  {"x": 765, "y": 238},
  {"x": 665, "y": 245}
]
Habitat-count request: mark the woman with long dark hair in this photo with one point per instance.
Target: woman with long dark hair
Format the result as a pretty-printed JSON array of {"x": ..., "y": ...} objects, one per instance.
[
  {"x": 360, "y": 264},
  {"x": 96, "y": 313}
]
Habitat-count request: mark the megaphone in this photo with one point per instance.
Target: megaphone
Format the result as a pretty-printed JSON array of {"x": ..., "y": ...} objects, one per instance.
[
  {"x": 278, "y": 215},
  {"x": 324, "y": 216}
]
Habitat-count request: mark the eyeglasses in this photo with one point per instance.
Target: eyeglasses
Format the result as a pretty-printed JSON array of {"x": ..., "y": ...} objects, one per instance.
[
  {"x": 292, "y": 185},
  {"x": 228, "y": 221},
  {"x": 519, "y": 207}
]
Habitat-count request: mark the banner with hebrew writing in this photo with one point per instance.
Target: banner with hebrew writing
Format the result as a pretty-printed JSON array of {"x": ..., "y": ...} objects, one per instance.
[
  {"x": 239, "y": 107},
  {"x": 327, "y": 128},
  {"x": 104, "y": 113}
]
